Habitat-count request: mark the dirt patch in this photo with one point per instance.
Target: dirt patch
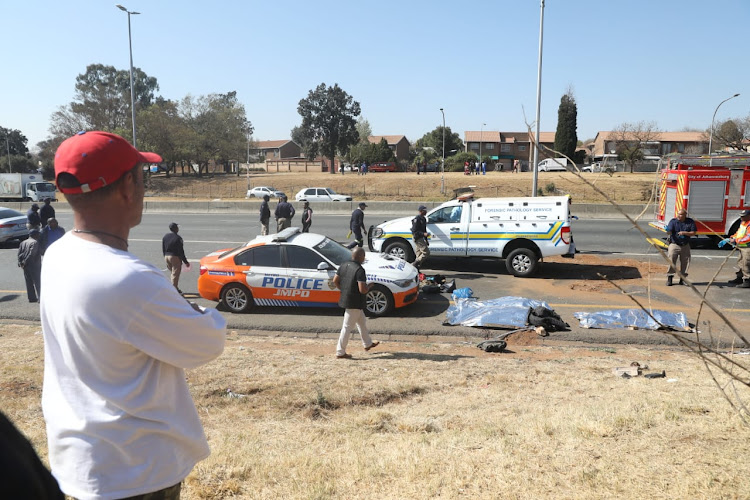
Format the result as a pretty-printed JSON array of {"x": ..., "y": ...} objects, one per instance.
[{"x": 405, "y": 186}]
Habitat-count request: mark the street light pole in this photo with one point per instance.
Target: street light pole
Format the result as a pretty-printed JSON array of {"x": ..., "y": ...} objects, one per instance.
[
  {"x": 481, "y": 131},
  {"x": 711, "y": 136},
  {"x": 442, "y": 170},
  {"x": 7, "y": 145},
  {"x": 538, "y": 99},
  {"x": 132, "y": 93}
]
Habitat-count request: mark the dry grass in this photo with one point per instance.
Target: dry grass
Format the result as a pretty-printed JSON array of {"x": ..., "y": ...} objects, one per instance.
[
  {"x": 285, "y": 419},
  {"x": 622, "y": 187}
]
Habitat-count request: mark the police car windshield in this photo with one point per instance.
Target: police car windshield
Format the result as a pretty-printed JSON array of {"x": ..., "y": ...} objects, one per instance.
[{"x": 333, "y": 251}]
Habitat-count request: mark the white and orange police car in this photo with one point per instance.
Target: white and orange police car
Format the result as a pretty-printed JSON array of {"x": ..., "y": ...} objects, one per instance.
[{"x": 296, "y": 269}]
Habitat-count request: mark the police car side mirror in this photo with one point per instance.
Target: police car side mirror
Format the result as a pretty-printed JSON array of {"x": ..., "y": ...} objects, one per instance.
[{"x": 323, "y": 266}]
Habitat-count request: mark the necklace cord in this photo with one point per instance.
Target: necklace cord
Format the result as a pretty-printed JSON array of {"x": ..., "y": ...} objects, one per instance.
[{"x": 102, "y": 233}]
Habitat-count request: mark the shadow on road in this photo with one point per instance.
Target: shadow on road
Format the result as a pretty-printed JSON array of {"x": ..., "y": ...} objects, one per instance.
[
  {"x": 574, "y": 271},
  {"x": 9, "y": 297}
]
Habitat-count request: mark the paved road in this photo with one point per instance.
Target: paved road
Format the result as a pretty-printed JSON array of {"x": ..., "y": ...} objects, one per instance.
[{"x": 558, "y": 282}]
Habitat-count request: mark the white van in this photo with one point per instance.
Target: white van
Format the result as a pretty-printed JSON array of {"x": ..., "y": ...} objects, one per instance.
[
  {"x": 520, "y": 230},
  {"x": 553, "y": 165}
]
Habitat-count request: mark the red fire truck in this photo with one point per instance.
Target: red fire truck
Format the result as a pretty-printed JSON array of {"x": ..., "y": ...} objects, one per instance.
[{"x": 713, "y": 191}]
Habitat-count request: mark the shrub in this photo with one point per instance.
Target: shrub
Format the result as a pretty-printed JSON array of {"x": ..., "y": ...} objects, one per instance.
[{"x": 550, "y": 187}]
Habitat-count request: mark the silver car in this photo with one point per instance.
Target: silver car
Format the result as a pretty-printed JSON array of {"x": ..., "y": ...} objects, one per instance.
[
  {"x": 259, "y": 191},
  {"x": 12, "y": 225}
]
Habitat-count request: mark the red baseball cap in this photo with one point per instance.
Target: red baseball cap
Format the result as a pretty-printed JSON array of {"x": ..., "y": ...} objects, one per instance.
[{"x": 97, "y": 159}]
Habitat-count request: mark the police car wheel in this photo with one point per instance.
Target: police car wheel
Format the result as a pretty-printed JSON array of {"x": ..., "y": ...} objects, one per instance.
[
  {"x": 236, "y": 298},
  {"x": 378, "y": 301},
  {"x": 521, "y": 262},
  {"x": 401, "y": 250}
]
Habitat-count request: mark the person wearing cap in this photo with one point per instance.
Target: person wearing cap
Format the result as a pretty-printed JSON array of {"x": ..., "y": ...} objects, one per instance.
[
  {"x": 306, "y": 217},
  {"x": 741, "y": 239},
  {"x": 33, "y": 221},
  {"x": 283, "y": 213},
  {"x": 174, "y": 253},
  {"x": 265, "y": 215},
  {"x": 50, "y": 234},
  {"x": 118, "y": 338},
  {"x": 30, "y": 260},
  {"x": 46, "y": 212},
  {"x": 420, "y": 235},
  {"x": 357, "y": 225},
  {"x": 679, "y": 229}
]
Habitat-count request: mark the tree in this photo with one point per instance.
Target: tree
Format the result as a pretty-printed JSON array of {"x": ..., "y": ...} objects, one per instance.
[
  {"x": 162, "y": 129},
  {"x": 305, "y": 141},
  {"x": 102, "y": 101},
  {"x": 328, "y": 120},
  {"x": 19, "y": 159},
  {"x": 216, "y": 128},
  {"x": 731, "y": 134},
  {"x": 632, "y": 139},
  {"x": 566, "y": 137},
  {"x": 364, "y": 130},
  {"x": 434, "y": 139}
]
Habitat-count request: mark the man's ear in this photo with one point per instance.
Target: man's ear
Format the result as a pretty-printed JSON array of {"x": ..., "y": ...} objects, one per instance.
[{"x": 127, "y": 187}]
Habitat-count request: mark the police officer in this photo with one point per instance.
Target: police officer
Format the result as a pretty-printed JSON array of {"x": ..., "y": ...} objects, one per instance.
[
  {"x": 420, "y": 234},
  {"x": 284, "y": 213},
  {"x": 357, "y": 225}
]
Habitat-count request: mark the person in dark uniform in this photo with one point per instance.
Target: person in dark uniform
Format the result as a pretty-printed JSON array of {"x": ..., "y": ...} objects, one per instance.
[
  {"x": 680, "y": 229},
  {"x": 33, "y": 221},
  {"x": 265, "y": 215},
  {"x": 357, "y": 225},
  {"x": 284, "y": 213},
  {"x": 47, "y": 212},
  {"x": 420, "y": 234},
  {"x": 30, "y": 260},
  {"x": 306, "y": 217},
  {"x": 174, "y": 253}
]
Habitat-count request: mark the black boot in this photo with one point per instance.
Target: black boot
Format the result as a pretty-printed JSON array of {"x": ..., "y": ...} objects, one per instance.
[
  {"x": 669, "y": 280},
  {"x": 737, "y": 280},
  {"x": 744, "y": 284}
]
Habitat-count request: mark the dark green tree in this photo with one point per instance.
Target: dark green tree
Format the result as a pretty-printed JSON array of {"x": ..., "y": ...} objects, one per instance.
[
  {"x": 19, "y": 159},
  {"x": 305, "y": 141},
  {"x": 566, "y": 137},
  {"x": 434, "y": 139},
  {"x": 102, "y": 101},
  {"x": 329, "y": 120}
]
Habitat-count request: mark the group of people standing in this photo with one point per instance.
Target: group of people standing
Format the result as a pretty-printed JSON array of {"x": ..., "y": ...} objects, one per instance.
[
  {"x": 284, "y": 213},
  {"x": 43, "y": 232},
  {"x": 474, "y": 168}
]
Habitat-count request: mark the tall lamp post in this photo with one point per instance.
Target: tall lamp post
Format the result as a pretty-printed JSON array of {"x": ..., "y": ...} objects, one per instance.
[
  {"x": 481, "y": 131},
  {"x": 130, "y": 44},
  {"x": 711, "y": 136},
  {"x": 442, "y": 169},
  {"x": 538, "y": 99}
]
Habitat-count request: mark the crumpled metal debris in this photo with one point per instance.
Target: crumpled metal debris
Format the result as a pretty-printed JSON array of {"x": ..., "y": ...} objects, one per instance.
[
  {"x": 633, "y": 318},
  {"x": 503, "y": 312}
]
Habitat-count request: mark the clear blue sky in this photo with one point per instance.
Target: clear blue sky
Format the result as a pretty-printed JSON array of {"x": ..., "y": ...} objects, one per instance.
[{"x": 668, "y": 61}]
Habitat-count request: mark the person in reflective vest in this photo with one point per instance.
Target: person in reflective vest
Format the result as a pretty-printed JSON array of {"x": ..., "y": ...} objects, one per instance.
[{"x": 741, "y": 239}]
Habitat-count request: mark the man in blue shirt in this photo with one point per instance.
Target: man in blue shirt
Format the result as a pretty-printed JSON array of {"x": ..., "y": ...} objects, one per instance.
[
  {"x": 51, "y": 233},
  {"x": 679, "y": 229}
]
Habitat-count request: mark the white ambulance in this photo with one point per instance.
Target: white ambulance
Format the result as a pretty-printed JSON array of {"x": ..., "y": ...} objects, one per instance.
[{"x": 520, "y": 230}]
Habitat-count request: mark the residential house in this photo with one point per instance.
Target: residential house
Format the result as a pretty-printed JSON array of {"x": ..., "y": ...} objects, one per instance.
[
  {"x": 505, "y": 147},
  {"x": 664, "y": 143},
  {"x": 399, "y": 144},
  {"x": 276, "y": 150}
]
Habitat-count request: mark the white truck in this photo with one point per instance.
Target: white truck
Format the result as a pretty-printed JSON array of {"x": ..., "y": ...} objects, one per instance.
[
  {"x": 22, "y": 187},
  {"x": 553, "y": 165},
  {"x": 520, "y": 230}
]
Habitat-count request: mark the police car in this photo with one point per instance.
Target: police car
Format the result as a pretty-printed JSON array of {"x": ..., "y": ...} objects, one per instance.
[{"x": 296, "y": 269}]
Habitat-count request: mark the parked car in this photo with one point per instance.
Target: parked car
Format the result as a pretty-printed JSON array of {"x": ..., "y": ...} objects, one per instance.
[
  {"x": 296, "y": 269},
  {"x": 12, "y": 225},
  {"x": 594, "y": 167},
  {"x": 259, "y": 191},
  {"x": 348, "y": 168},
  {"x": 382, "y": 166},
  {"x": 320, "y": 194}
]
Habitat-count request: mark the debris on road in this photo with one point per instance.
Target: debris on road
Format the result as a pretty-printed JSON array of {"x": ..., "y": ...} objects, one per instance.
[{"x": 634, "y": 318}]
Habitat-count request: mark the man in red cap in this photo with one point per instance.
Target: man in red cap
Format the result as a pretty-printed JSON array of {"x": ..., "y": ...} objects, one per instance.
[{"x": 117, "y": 338}]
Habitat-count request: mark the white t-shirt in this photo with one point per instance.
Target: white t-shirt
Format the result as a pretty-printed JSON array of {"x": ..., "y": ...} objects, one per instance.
[{"x": 117, "y": 339}]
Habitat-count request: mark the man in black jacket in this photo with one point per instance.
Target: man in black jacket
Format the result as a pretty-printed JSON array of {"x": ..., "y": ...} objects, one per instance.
[
  {"x": 420, "y": 234},
  {"x": 174, "y": 253},
  {"x": 265, "y": 215},
  {"x": 357, "y": 225},
  {"x": 47, "y": 212},
  {"x": 284, "y": 213}
]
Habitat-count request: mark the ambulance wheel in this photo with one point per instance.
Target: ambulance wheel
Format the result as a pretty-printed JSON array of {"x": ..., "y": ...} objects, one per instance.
[
  {"x": 237, "y": 298},
  {"x": 522, "y": 262},
  {"x": 378, "y": 301},
  {"x": 401, "y": 250}
]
